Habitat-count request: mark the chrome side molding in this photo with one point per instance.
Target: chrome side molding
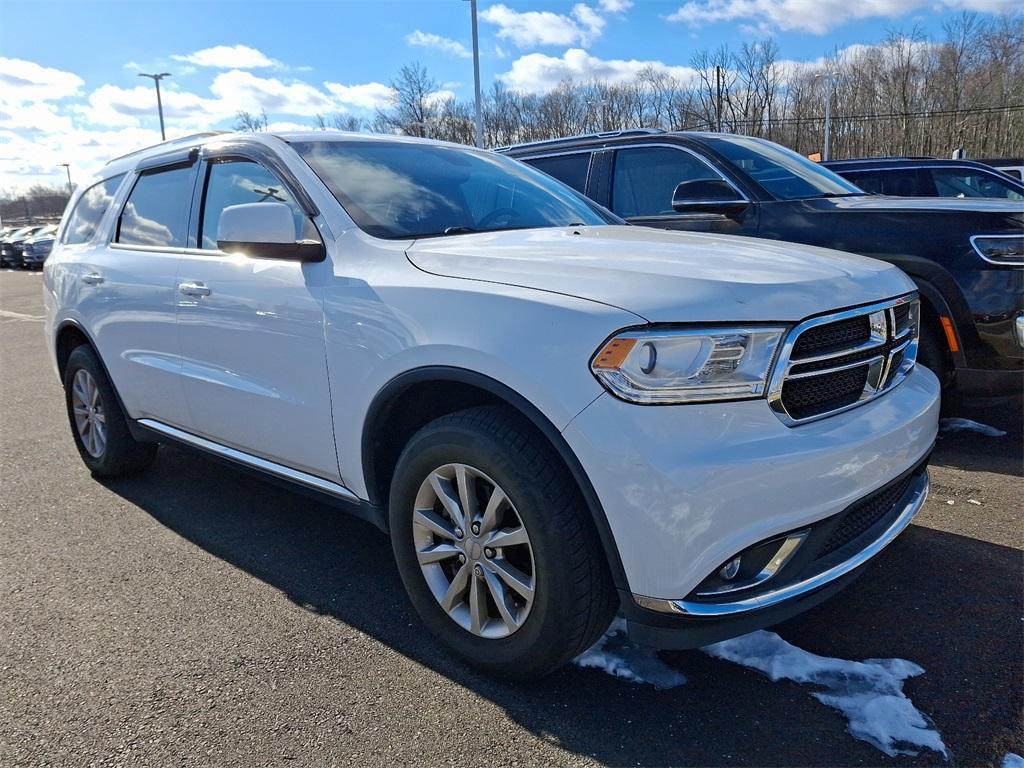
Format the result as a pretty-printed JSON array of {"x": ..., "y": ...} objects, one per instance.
[
  {"x": 240, "y": 457},
  {"x": 782, "y": 594}
]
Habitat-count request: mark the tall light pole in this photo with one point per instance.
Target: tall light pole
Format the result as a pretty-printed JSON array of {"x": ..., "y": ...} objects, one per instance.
[
  {"x": 159, "y": 104},
  {"x": 828, "y": 109},
  {"x": 479, "y": 119},
  {"x": 67, "y": 167}
]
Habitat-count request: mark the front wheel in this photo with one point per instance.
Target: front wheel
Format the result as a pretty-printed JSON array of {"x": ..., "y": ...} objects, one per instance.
[{"x": 495, "y": 545}]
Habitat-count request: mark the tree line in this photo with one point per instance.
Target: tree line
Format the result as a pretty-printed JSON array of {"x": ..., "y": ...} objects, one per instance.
[{"x": 908, "y": 95}]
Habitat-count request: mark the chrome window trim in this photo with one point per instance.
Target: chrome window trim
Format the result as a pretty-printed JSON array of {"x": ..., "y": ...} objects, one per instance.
[
  {"x": 247, "y": 459},
  {"x": 978, "y": 250},
  {"x": 792, "y": 591},
  {"x": 880, "y": 378}
]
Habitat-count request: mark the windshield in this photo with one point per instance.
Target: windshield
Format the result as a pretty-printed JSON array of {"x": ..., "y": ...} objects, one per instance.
[
  {"x": 400, "y": 190},
  {"x": 783, "y": 173}
]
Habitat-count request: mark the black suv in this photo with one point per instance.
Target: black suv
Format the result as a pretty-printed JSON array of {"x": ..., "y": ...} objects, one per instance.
[
  {"x": 927, "y": 177},
  {"x": 966, "y": 255}
]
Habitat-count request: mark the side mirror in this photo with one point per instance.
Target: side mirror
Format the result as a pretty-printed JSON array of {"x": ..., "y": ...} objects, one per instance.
[
  {"x": 266, "y": 231},
  {"x": 711, "y": 195}
]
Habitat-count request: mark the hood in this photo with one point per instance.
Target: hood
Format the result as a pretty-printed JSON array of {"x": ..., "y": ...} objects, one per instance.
[
  {"x": 937, "y": 204},
  {"x": 667, "y": 276}
]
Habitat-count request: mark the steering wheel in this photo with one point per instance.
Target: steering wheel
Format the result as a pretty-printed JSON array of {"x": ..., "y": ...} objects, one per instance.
[{"x": 495, "y": 216}]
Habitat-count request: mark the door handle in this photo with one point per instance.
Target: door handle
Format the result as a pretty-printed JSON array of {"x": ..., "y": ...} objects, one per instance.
[
  {"x": 193, "y": 289},
  {"x": 93, "y": 278}
]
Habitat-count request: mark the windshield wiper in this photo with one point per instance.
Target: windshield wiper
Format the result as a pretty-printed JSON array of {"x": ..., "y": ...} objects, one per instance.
[{"x": 458, "y": 230}]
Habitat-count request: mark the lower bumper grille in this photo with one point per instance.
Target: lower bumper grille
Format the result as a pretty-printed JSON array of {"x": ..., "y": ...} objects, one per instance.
[{"x": 865, "y": 514}]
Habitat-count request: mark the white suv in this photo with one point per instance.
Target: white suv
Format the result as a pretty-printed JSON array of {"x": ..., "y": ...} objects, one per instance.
[{"x": 555, "y": 417}]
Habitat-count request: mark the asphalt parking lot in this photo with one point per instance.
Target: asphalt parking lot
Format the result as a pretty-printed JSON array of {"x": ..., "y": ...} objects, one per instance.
[{"x": 197, "y": 615}]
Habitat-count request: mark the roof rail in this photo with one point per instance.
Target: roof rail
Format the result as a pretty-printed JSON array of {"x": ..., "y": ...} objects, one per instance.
[
  {"x": 169, "y": 144},
  {"x": 582, "y": 136}
]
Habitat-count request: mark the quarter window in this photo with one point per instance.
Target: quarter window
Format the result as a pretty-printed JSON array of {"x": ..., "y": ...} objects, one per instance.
[
  {"x": 89, "y": 210},
  {"x": 156, "y": 213},
  {"x": 235, "y": 182},
  {"x": 646, "y": 178},
  {"x": 568, "y": 169}
]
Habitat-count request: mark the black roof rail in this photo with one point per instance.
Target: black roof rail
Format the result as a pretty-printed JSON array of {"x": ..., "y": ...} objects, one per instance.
[
  {"x": 169, "y": 144},
  {"x": 886, "y": 158},
  {"x": 583, "y": 136}
]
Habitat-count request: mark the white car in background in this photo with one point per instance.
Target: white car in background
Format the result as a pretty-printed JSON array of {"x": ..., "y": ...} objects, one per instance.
[{"x": 555, "y": 417}]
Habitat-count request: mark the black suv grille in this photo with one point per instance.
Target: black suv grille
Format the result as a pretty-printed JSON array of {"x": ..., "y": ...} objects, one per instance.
[{"x": 865, "y": 514}]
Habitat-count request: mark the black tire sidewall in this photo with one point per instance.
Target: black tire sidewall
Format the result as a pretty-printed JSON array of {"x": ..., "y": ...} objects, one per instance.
[{"x": 535, "y": 645}]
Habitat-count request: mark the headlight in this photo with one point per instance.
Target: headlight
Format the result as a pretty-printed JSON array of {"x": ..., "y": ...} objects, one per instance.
[
  {"x": 687, "y": 365},
  {"x": 1000, "y": 249}
]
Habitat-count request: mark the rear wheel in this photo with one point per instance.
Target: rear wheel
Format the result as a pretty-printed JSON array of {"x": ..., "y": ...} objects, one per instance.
[
  {"x": 97, "y": 422},
  {"x": 495, "y": 545}
]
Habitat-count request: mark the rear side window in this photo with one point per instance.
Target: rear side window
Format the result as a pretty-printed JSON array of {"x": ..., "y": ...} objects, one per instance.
[
  {"x": 89, "y": 210},
  {"x": 568, "y": 169},
  {"x": 908, "y": 182},
  {"x": 235, "y": 182},
  {"x": 968, "y": 182},
  {"x": 156, "y": 213}
]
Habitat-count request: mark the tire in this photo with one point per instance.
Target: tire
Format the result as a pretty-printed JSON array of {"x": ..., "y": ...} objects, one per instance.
[
  {"x": 933, "y": 354},
  {"x": 104, "y": 441},
  {"x": 573, "y": 598}
]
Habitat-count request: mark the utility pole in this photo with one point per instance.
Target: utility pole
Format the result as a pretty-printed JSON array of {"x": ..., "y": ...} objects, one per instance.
[
  {"x": 718, "y": 98},
  {"x": 67, "y": 167},
  {"x": 159, "y": 104},
  {"x": 828, "y": 110},
  {"x": 476, "y": 77}
]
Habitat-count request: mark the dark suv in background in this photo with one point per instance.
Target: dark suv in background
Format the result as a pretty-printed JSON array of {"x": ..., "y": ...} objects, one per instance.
[
  {"x": 927, "y": 177},
  {"x": 966, "y": 255}
]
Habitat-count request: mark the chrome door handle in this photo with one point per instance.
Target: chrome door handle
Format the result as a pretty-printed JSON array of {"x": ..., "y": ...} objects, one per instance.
[
  {"x": 93, "y": 278},
  {"x": 193, "y": 289}
]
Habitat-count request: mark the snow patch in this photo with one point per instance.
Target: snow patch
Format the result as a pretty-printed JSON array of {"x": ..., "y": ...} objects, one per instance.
[
  {"x": 869, "y": 693},
  {"x": 954, "y": 425},
  {"x": 616, "y": 655}
]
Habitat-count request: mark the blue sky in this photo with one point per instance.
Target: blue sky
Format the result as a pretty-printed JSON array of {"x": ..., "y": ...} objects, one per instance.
[{"x": 69, "y": 89}]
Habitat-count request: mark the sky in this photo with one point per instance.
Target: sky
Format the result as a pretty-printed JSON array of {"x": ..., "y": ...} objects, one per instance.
[{"x": 70, "y": 90}]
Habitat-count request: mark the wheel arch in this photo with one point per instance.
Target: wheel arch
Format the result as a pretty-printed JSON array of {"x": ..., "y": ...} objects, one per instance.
[{"x": 455, "y": 389}]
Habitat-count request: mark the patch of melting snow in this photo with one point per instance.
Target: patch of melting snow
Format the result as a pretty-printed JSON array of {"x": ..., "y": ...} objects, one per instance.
[
  {"x": 616, "y": 655},
  {"x": 1013, "y": 760},
  {"x": 869, "y": 693},
  {"x": 954, "y": 425}
]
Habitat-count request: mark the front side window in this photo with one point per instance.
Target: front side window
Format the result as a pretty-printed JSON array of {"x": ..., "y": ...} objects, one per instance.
[
  {"x": 968, "y": 182},
  {"x": 156, "y": 213},
  {"x": 897, "y": 182},
  {"x": 236, "y": 182},
  {"x": 88, "y": 211},
  {"x": 782, "y": 173},
  {"x": 402, "y": 190},
  {"x": 568, "y": 169},
  {"x": 645, "y": 179}
]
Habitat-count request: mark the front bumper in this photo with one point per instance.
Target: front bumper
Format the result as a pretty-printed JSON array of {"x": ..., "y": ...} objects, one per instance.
[{"x": 686, "y": 488}]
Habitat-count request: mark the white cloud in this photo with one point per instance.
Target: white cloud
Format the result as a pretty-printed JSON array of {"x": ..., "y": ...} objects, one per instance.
[
  {"x": 539, "y": 73},
  {"x": 815, "y": 16},
  {"x": 228, "y": 57},
  {"x": 615, "y": 6},
  {"x": 364, "y": 96},
  {"x": 530, "y": 28},
  {"x": 245, "y": 91},
  {"x": 436, "y": 42},
  {"x": 115, "y": 107},
  {"x": 22, "y": 82}
]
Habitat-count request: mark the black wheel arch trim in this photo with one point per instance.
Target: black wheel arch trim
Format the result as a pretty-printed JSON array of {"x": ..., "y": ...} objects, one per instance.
[
  {"x": 394, "y": 388},
  {"x": 139, "y": 433}
]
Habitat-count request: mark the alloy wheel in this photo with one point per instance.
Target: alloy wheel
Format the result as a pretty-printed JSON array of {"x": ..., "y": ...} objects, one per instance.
[
  {"x": 90, "y": 420},
  {"x": 474, "y": 551}
]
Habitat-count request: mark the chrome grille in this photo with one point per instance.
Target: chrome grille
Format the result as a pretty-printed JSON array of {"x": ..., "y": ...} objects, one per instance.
[{"x": 838, "y": 361}]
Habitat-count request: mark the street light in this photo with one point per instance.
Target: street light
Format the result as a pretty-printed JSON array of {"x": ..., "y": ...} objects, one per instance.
[
  {"x": 828, "y": 109},
  {"x": 159, "y": 104},
  {"x": 479, "y": 119},
  {"x": 67, "y": 167}
]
